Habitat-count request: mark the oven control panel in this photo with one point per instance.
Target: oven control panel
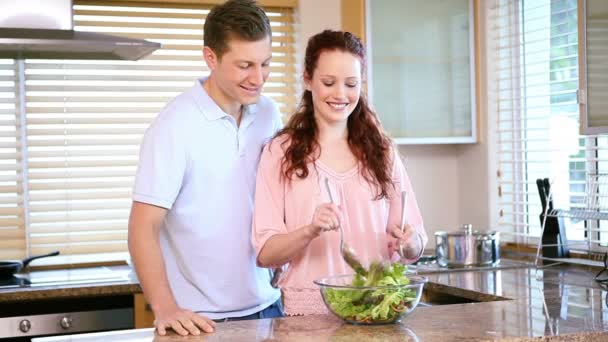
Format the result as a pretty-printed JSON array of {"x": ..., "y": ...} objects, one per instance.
[{"x": 66, "y": 323}]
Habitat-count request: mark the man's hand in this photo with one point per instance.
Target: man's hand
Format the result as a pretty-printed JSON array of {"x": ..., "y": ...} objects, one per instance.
[
  {"x": 409, "y": 239},
  {"x": 183, "y": 322}
]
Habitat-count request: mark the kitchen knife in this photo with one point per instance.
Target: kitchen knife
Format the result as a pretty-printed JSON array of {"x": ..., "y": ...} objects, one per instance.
[
  {"x": 549, "y": 194},
  {"x": 542, "y": 193}
]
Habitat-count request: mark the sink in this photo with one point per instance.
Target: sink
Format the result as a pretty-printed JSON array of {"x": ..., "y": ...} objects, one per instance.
[
  {"x": 432, "y": 298},
  {"x": 435, "y": 294}
]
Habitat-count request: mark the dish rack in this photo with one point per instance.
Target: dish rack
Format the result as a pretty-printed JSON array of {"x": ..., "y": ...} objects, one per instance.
[{"x": 590, "y": 207}]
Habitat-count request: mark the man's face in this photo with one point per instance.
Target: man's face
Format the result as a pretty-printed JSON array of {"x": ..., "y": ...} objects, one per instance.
[{"x": 241, "y": 72}]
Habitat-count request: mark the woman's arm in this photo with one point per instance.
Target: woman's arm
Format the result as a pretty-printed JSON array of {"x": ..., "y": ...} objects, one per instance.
[
  {"x": 413, "y": 236},
  {"x": 274, "y": 244},
  {"x": 281, "y": 248}
]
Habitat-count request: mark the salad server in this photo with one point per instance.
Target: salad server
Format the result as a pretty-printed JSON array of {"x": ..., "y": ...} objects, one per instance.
[{"x": 348, "y": 254}]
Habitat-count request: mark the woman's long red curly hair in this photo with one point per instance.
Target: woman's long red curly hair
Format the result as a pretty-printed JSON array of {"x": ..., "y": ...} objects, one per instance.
[{"x": 370, "y": 145}]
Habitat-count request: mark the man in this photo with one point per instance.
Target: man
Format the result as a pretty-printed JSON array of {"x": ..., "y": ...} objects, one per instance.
[{"x": 190, "y": 223}]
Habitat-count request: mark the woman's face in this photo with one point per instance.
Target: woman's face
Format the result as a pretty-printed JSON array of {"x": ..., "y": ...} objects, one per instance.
[{"x": 335, "y": 86}]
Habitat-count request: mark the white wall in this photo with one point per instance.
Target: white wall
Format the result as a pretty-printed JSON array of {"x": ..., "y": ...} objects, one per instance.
[
  {"x": 315, "y": 16},
  {"x": 450, "y": 181},
  {"x": 433, "y": 170},
  {"x": 313, "y": 20}
]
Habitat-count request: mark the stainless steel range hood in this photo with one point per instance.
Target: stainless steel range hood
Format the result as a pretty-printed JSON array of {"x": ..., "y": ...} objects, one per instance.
[
  {"x": 21, "y": 43},
  {"x": 43, "y": 29}
]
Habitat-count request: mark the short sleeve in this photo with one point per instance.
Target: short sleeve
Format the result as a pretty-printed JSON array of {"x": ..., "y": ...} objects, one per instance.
[
  {"x": 162, "y": 165},
  {"x": 269, "y": 209}
]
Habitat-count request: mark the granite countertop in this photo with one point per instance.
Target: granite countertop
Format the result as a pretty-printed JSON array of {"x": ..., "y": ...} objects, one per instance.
[
  {"x": 557, "y": 303},
  {"x": 77, "y": 282}
]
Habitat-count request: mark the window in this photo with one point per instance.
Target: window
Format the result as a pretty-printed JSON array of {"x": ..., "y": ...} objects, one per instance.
[
  {"x": 69, "y": 145},
  {"x": 533, "y": 108}
]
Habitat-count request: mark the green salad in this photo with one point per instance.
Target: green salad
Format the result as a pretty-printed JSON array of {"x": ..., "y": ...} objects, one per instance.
[{"x": 373, "y": 305}]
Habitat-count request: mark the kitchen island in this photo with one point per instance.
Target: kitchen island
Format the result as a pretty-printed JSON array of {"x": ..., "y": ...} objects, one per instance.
[{"x": 557, "y": 303}]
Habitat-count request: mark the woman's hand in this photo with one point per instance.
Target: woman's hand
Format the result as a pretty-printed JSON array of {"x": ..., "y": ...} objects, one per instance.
[
  {"x": 409, "y": 239},
  {"x": 280, "y": 249},
  {"x": 327, "y": 217}
]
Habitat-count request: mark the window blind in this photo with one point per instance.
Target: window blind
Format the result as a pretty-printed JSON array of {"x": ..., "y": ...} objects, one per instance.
[
  {"x": 84, "y": 121},
  {"x": 12, "y": 218},
  {"x": 534, "y": 113}
]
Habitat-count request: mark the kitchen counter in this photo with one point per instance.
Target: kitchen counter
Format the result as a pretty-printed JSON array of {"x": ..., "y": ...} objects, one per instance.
[
  {"x": 78, "y": 282},
  {"x": 557, "y": 303}
]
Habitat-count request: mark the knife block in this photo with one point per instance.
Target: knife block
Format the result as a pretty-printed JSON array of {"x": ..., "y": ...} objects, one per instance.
[{"x": 554, "y": 241}]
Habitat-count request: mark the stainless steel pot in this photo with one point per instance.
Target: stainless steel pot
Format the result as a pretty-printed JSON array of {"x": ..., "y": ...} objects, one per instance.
[{"x": 467, "y": 248}]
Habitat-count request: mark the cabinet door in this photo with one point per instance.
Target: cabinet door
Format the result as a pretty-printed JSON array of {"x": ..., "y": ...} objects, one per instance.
[
  {"x": 422, "y": 69},
  {"x": 593, "y": 65},
  {"x": 144, "y": 317}
]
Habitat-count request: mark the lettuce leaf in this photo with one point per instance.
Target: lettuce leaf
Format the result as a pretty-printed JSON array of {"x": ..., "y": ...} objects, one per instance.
[{"x": 364, "y": 305}]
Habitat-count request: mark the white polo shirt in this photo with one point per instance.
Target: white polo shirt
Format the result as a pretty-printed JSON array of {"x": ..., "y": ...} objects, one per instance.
[{"x": 198, "y": 164}]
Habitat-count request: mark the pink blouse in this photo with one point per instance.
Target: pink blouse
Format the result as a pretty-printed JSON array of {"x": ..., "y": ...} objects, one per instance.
[{"x": 282, "y": 207}]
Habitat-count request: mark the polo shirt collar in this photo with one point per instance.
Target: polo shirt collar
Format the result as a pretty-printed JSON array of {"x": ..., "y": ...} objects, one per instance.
[
  {"x": 248, "y": 115},
  {"x": 212, "y": 111}
]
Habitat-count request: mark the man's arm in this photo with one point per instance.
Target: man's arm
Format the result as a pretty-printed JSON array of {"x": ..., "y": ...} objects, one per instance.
[{"x": 144, "y": 245}]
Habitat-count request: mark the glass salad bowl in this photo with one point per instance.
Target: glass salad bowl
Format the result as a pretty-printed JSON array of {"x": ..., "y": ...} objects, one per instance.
[{"x": 384, "y": 294}]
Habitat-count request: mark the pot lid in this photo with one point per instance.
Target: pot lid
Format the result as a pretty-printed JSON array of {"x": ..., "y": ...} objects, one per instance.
[{"x": 467, "y": 229}]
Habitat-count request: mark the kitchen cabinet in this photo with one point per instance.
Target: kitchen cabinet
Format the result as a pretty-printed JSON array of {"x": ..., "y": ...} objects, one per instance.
[
  {"x": 142, "y": 312},
  {"x": 421, "y": 68},
  {"x": 593, "y": 61}
]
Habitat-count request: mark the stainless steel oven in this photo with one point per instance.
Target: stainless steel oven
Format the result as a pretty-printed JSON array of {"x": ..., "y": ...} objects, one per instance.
[
  {"x": 30, "y": 326},
  {"x": 22, "y": 320}
]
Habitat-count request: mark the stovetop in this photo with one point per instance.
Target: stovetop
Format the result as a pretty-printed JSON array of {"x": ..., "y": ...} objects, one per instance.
[
  {"x": 14, "y": 282},
  {"x": 63, "y": 277},
  {"x": 429, "y": 265}
]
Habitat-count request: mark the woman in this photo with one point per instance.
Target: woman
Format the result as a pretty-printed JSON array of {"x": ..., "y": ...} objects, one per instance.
[{"x": 334, "y": 135}]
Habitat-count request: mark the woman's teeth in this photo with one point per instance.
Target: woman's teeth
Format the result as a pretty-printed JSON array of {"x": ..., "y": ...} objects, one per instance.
[{"x": 337, "y": 105}]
